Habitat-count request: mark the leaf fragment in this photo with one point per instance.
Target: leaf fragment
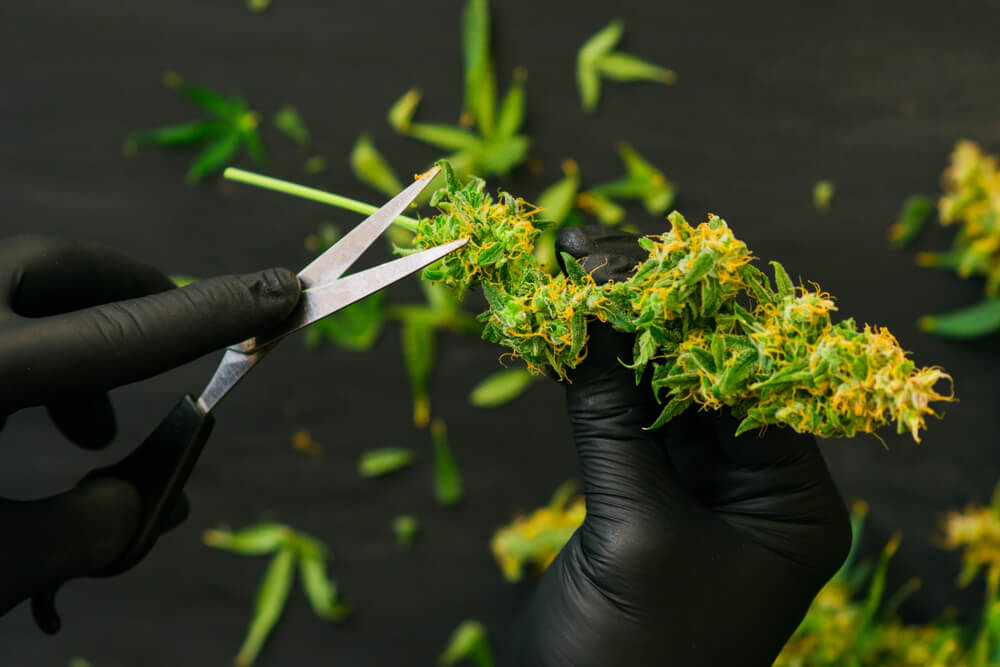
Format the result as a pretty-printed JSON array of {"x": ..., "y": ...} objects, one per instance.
[
  {"x": 271, "y": 597},
  {"x": 447, "y": 477},
  {"x": 379, "y": 462},
  {"x": 289, "y": 122},
  {"x": 468, "y": 642},
  {"x": 372, "y": 169},
  {"x": 971, "y": 322}
]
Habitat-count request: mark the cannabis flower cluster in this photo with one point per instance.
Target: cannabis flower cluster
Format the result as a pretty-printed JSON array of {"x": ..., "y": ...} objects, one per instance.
[{"x": 778, "y": 359}]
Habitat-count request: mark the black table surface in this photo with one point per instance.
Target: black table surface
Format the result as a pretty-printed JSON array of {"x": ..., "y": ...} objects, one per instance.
[{"x": 771, "y": 98}]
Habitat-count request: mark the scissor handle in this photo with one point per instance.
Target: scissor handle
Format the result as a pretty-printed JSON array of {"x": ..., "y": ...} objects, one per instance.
[{"x": 158, "y": 470}]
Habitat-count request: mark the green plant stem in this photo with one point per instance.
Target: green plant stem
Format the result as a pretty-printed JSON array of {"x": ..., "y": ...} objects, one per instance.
[{"x": 287, "y": 187}]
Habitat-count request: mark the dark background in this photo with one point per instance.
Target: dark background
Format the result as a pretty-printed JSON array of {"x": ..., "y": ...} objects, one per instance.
[{"x": 771, "y": 98}]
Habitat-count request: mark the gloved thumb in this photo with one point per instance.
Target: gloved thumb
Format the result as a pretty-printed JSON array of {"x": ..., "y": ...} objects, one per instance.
[{"x": 73, "y": 534}]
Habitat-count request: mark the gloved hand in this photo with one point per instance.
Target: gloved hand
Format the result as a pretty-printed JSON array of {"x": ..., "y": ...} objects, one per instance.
[
  {"x": 698, "y": 548},
  {"x": 75, "y": 321}
]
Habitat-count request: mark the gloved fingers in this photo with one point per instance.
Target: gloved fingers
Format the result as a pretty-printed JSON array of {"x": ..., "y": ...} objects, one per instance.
[
  {"x": 92, "y": 350},
  {"x": 73, "y": 534},
  {"x": 757, "y": 449},
  {"x": 47, "y": 276},
  {"x": 625, "y": 467},
  {"x": 86, "y": 420},
  {"x": 607, "y": 254}
]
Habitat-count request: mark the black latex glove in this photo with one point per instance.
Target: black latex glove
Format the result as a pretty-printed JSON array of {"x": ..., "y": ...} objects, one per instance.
[
  {"x": 75, "y": 321},
  {"x": 698, "y": 548}
]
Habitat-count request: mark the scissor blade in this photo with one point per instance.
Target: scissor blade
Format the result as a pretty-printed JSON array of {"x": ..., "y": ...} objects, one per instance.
[
  {"x": 322, "y": 300},
  {"x": 331, "y": 264}
]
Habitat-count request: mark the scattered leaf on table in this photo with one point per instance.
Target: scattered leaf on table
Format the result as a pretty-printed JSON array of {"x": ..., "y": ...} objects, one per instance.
[
  {"x": 405, "y": 528},
  {"x": 480, "y": 78},
  {"x": 271, "y": 598},
  {"x": 182, "y": 280},
  {"x": 355, "y": 327},
  {"x": 511, "y": 116},
  {"x": 447, "y": 477},
  {"x": 642, "y": 182},
  {"x": 468, "y": 642},
  {"x": 915, "y": 212},
  {"x": 263, "y": 538},
  {"x": 444, "y": 137},
  {"x": 587, "y": 75},
  {"x": 289, "y": 122},
  {"x": 232, "y": 125},
  {"x": 401, "y": 113},
  {"x": 978, "y": 320},
  {"x": 418, "y": 353},
  {"x": 607, "y": 212},
  {"x": 626, "y": 67},
  {"x": 303, "y": 441},
  {"x": 501, "y": 387},
  {"x": 372, "y": 169},
  {"x": 214, "y": 157},
  {"x": 319, "y": 588},
  {"x": 596, "y": 59},
  {"x": 378, "y": 462},
  {"x": 823, "y": 195},
  {"x": 315, "y": 164},
  {"x": 258, "y": 6}
]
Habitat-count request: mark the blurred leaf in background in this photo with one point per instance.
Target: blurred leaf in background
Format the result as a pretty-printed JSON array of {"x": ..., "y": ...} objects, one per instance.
[
  {"x": 597, "y": 59},
  {"x": 231, "y": 125}
]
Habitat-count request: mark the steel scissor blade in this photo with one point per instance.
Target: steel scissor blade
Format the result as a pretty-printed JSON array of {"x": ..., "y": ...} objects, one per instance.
[
  {"x": 331, "y": 264},
  {"x": 322, "y": 300}
]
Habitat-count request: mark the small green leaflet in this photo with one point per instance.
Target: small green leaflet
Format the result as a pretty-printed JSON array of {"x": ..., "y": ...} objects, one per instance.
[
  {"x": 405, "y": 527},
  {"x": 596, "y": 59},
  {"x": 231, "y": 126},
  {"x": 355, "y": 327},
  {"x": 292, "y": 550},
  {"x": 915, "y": 212},
  {"x": 972, "y": 322},
  {"x": 823, "y": 195},
  {"x": 501, "y": 387},
  {"x": 468, "y": 642},
  {"x": 289, "y": 122},
  {"x": 378, "y": 462},
  {"x": 447, "y": 477},
  {"x": 418, "y": 353},
  {"x": 372, "y": 169}
]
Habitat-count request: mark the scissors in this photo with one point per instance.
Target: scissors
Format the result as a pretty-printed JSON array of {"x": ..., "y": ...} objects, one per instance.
[{"x": 161, "y": 465}]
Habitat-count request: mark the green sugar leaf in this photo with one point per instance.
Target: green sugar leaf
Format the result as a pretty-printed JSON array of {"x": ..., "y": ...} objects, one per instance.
[
  {"x": 447, "y": 477},
  {"x": 418, "y": 353},
  {"x": 378, "y": 462},
  {"x": 501, "y": 387},
  {"x": 176, "y": 135},
  {"x": 915, "y": 212},
  {"x": 626, "y": 67},
  {"x": 405, "y": 527},
  {"x": 972, "y": 322},
  {"x": 320, "y": 590},
  {"x": 480, "y": 79},
  {"x": 214, "y": 158},
  {"x": 467, "y": 642},
  {"x": 372, "y": 169},
  {"x": 271, "y": 598},
  {"x": 289, "y": 122},
  {"x": 823, "y": 195},
  {"x": 511, "y": 115},
  {"x": 401, "y": 113},
  {"x": 264, "y": 538}
]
